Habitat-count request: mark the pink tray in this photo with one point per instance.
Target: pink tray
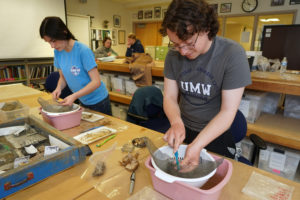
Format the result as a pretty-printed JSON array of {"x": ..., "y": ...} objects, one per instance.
[
  {"x": 177, "y": 190},
  {"x": 63, "y": 121}
]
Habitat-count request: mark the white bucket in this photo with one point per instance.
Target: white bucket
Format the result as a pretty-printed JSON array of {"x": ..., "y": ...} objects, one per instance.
[{"x": 196, "y": 182}]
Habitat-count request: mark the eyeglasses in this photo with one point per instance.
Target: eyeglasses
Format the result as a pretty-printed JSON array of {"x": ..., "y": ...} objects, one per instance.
[{"x": 176, "y": 47}]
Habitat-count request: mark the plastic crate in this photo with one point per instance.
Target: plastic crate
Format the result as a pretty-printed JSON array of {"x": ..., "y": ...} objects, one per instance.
[
  {"x": 251, "y": 105},
  {"x": 150, "y": 50},
  {"x": 105, "y": 78},
  {"x": 130, "y": 87},
  {"x": 161, "y": 52},
  {"x": 118, "y": 84},
  {"x": 119, "y": 111},
  {"x": 279, "y": 160},
  {"x": 271, "y": 102},
  {"x": 292, "y": 106},
  {"x": 246, "y": 147},
  {"x": 20, "y": 110}
]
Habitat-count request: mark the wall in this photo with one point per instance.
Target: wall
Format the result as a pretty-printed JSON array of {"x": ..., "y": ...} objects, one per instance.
[
  {"x": 263, "y": 6},
  {"x": 103, "y": 10}
]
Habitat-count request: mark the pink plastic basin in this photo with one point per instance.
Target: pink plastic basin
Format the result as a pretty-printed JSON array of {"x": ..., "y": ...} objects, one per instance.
[
  {"x": 63, "y": 121},
  {"x": 178, "y": 190}
]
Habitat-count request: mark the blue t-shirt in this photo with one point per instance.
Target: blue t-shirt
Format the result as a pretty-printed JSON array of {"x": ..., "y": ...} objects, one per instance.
[{"x": 75, "y": 66}]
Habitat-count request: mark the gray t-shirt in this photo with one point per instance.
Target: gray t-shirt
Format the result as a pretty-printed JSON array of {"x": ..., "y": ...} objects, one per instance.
[{"x": 200, "y": 81}]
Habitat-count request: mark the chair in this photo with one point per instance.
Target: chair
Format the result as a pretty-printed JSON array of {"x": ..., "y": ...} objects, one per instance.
[
  {"x": 51, "y": 83},
  {"x": 239, "y": 130},
  {"x": 146, "y": 109}
]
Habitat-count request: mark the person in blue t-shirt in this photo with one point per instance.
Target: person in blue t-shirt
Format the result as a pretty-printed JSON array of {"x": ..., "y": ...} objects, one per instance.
[
  {"x": 133, "y": 45},
  {"x": 77, "y": 67}
]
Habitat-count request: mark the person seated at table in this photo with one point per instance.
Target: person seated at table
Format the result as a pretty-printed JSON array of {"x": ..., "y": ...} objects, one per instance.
[
  {"x": 105, "y": 50},
  {"x": 133, "y": 45}
]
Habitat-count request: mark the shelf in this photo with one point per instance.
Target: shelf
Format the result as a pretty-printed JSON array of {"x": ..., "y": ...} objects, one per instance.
[
  {"x": 120, "y": 66},
  {"x": 272, "y": 128},
  {"x": 287, "y": 83},
  {"x": 121, "y": 98},
  {"x": 277, "y": 129}
]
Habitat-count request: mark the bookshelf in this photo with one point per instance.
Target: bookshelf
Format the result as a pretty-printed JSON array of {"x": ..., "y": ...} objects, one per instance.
[
  {"x": 97, "y": 36},
  {"x": 30, "y": 72}
]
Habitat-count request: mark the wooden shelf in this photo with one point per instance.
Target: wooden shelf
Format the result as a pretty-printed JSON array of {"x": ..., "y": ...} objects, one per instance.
[
  {"x": 277, "y": 129},
  {"x": 287, "y": 83},
  {"x": 121, "y": 98},
  {"x": 272, "y": 128},
  {"x": 120, "y": 66}
]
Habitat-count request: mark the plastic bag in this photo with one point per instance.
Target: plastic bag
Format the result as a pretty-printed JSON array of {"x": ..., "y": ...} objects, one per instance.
[
  {"x": 265, "y": 188},
  {"x": 263, "y": 64},
  {"x": 275, "y": 65},
  {"x": 93, "y": 160}
]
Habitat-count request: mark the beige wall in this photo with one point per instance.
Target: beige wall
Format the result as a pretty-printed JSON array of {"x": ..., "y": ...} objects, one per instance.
[{"x": 103, "y": 10}]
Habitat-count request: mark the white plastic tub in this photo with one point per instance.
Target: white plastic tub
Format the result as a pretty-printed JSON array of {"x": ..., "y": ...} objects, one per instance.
[{"x": 196, "y": 182}]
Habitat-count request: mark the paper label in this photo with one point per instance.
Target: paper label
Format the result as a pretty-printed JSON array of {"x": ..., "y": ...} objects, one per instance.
[
  {"x": 21, "y": 161},
  {"x": 277, "y": 161},
  {"x": 130, "y": 86},
  {"x": 118, "y": 84},
  {"x": 267, "y": 35},
  {"x": 50, "y": 150},
  {"x": 264, "y": 155},
  {"x": 244, "y": 107}
]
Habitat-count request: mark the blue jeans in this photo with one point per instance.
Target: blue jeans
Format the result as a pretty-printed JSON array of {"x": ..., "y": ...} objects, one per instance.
[{"x": 103, "y": 106}]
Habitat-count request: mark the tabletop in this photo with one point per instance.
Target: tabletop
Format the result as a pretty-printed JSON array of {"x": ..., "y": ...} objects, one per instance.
[{"x": 74, "y": 183}]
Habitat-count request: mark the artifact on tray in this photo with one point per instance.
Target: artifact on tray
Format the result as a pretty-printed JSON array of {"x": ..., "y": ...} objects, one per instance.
[
  {"x": 10, "y": 106},
  {"x": 91, "y": 117},
  {"x": 130, "y": 162},
  {"x": 20, "y": 145},
  {"x": 94, "y": 135},
  {"x": 54, "y": 107}
]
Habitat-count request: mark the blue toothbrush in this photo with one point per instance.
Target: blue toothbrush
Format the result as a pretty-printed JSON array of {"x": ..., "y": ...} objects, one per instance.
[{"x": 177, "y": 161}]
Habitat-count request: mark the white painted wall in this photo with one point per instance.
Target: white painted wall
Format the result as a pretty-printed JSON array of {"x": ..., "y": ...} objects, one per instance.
[
  {"x": 263, "y": 6},
  {"x": 103, "y": 10}
]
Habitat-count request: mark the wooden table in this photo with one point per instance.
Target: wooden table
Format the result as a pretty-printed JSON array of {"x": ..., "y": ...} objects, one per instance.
[{"x": 114, "y": 184}]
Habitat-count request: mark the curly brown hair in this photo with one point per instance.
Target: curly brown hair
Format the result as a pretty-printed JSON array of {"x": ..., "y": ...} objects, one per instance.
[
  {"x": 105, "y": 39},
  {"x": 187, "y": 17}
]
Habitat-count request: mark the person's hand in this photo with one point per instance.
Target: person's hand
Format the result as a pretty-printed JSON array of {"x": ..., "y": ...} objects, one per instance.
[
  {"x": 55, "y": 94},
  {"x": 175, "y": 135},
  {"x": 191, "y": 158},
  {"x": 109, "y": 54},
  {"x": 68, "y": 101}
]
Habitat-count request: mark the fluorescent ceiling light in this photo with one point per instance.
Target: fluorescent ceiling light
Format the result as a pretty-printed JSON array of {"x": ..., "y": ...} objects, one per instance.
[{"x": 270, "y": 20}]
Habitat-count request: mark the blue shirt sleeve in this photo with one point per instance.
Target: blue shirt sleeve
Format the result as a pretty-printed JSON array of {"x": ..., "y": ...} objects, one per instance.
[{"x": 88, "y": 59}]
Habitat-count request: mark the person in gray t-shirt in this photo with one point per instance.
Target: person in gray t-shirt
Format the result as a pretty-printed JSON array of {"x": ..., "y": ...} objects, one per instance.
[
  {"x": 105, "y": 50},
  {"x": 204, "y": 80}
]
